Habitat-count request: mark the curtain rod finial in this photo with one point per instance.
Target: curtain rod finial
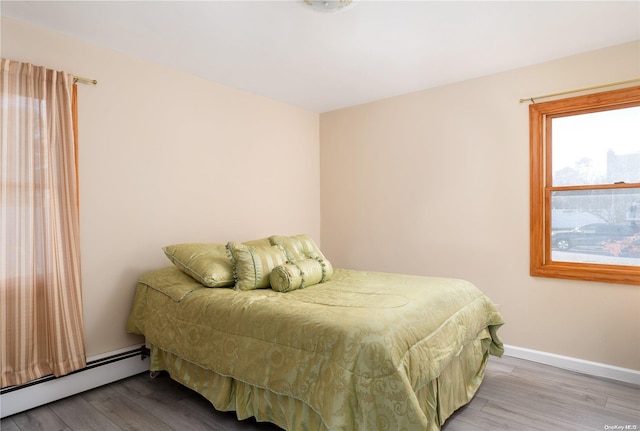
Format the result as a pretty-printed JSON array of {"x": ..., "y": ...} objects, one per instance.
[{"x": 81, "y": 80}]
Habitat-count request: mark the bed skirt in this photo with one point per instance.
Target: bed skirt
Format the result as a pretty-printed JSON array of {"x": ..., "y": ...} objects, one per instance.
[{"x": 438, "y": 400}]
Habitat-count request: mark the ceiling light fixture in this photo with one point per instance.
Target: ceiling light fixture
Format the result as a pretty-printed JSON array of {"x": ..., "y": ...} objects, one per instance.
[{"x": 328, "y": 5}]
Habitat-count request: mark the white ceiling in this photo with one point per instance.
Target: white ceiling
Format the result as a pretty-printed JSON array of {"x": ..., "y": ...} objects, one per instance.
[{"x": 326, "y": 61}]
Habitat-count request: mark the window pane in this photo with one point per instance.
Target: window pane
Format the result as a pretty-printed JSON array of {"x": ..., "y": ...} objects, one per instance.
[
  {"x": 597, "y": 148},
  {"x": 596, "y": 226}
]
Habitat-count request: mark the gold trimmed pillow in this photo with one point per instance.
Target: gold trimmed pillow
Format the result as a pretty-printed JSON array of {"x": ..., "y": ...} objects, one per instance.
[
  {"x": 303, "y": 273},
  {"x": 253, "y": 264},
  {"x": 297, "y": 247},
  {"x": 209, "y": 264}
]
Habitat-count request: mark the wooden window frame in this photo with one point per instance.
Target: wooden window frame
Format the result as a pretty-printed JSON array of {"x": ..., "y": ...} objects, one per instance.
[{"x": 540, "y": 149}]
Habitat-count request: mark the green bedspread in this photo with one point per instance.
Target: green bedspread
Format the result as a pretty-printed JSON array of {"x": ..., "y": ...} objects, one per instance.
[{"x": 356, "y": 349}]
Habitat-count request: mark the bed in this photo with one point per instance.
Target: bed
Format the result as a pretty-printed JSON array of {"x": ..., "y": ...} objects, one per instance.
[{"x": 344, "y": 350}]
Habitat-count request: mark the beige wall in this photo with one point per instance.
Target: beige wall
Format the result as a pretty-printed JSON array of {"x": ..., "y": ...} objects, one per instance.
[
  {"x": 436, "y": 183},
  {"x": 166, "y": 157},
  {"x": 432, "y": 183}
]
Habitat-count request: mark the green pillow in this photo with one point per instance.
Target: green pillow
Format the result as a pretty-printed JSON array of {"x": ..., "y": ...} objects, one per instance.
[
  {"x": 297, "y": 247},
  {"x": 253, "y": 264},
  {"x": 209, "y": 264},
  {"x": 303, "y": 273}
]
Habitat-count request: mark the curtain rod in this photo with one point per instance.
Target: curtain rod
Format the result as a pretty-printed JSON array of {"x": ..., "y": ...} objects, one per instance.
[
  {"x": 533, "y": 99},
  {"x": 82, "y": 80}
]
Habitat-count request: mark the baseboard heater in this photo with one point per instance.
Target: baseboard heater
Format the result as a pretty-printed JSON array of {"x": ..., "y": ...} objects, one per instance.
[{"x": 99, "y": 371}]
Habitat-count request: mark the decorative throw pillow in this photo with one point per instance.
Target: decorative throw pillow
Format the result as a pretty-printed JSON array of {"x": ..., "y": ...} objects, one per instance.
[
  {"x": 297, "y": 247},
  {"x": 253, "y": 264},
  {"x": 303, "y": 273},
  {"x": 209, "y": 264},
  {"x": 300, "y": 247},
  {"x": 261, "y": 242}
]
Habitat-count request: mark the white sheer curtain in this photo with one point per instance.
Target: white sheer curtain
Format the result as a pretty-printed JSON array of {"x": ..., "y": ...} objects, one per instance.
[{"x": 41, "y": 320}]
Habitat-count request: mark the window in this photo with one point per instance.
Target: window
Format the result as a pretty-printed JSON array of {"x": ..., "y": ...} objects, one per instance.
[{"x": 585, "y": 187}]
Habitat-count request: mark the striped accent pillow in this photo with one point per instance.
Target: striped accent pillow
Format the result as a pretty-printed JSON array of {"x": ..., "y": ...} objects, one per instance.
[{"x": 253, "y": 264}]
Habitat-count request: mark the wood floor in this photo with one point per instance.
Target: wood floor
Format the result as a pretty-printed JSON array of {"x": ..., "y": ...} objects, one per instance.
[{"x": 516, "y": 395}]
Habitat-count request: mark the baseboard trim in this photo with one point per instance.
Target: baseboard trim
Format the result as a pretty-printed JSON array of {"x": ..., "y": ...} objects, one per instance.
[
  {"x": 51, "y": 390},
  {"x": 574, "y": 364}
]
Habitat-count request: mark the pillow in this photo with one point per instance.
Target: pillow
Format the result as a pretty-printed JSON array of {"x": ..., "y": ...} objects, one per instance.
[
  {"x": 209, "y": 264},
  {"x": 261, "y": 241},
  {"x": 300, "y": 247},
  {"x": 297, "y": 247},
  {"x": 303, "y": 273},
  {"x": 253, "y": 264}
]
